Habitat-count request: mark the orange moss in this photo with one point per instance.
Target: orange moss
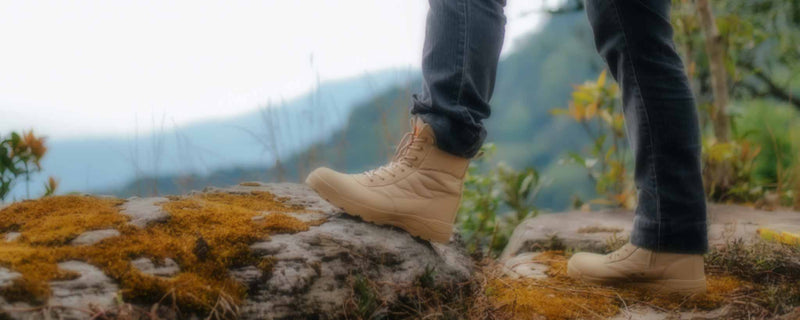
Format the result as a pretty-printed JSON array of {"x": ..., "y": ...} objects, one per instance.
[
  {"x": 256, "y": 200},
  {"x": 283, "y": 223},
  {"x": 250, "y": 184},
  {"x": 221, "y": 222},
  {"x": 55, "y": 220},
  {"x": 560, "y": 297}
]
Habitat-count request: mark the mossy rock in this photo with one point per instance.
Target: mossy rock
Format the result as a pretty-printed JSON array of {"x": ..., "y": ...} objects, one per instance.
[{"x": 250, "y": 251}]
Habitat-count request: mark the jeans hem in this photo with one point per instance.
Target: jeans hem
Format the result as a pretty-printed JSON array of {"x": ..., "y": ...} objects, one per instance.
[
  {"x": 466, "y": 144},
  {"x": 688, "y": 238}
]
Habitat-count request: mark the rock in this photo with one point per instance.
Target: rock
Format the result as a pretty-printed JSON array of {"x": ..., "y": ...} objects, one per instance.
[
  {"x": 91, "y": 290},
  {"x": 294, "y": 275},
  {"x": 537, "y": 232},
  {"x": 143, "y": 211},
  {"x": 92, "y": 237},
  {"x": 248, "y": 274},
  {"x": 311, "y": 269},
  {"x": 167, "y": 268},
  {"x": 591, "y": 231},
  {"x": 302, "y": 216},
  {"x": 297, "y": 194},
  {"x": 7, "y": 277},
  {"x": 523, "y": 266},
  {"x": 12, "y": 236}
]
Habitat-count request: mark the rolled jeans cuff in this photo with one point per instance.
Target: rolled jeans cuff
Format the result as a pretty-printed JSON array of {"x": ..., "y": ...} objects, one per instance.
[
  {"x": 674, "y": 237},
  {"x": 454, "y": 137}
]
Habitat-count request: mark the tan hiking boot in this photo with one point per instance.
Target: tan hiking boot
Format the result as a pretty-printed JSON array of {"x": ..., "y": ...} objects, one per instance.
[
  {"x": 639, "y": 267},
  {"x": 418, "y": 191}
]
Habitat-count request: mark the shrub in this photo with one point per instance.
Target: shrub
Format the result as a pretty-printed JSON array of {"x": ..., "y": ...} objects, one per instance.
[
  {"x": 495, "y": 202},
  {"x": 595, "y": 106},
  {"x": 20, "y": 156}
]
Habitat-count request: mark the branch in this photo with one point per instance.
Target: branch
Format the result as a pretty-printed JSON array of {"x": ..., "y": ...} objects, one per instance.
[{"x": 773, "y": 88}]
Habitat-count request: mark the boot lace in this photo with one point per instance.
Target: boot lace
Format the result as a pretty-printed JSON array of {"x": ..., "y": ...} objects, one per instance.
[
  {"x": 624, "y": 251},
  {"x": 402, "y": 159}
]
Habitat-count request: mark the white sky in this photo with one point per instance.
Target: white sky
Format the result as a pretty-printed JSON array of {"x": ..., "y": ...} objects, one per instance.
[{"x": 76, "y": 68}]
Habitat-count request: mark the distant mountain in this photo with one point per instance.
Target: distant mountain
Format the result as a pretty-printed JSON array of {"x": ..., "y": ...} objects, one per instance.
[
  {"x": 253, "y": 139},
  {"x": 538, "y": 76}
]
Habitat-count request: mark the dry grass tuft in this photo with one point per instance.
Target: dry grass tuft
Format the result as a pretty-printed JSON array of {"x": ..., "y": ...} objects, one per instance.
[{"x": 599, "y": 229}]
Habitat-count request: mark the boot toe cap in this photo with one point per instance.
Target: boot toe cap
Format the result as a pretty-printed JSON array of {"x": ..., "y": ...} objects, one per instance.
[
  {"x": 325, "y": 178},
  {"x": 339, "y": 188}
]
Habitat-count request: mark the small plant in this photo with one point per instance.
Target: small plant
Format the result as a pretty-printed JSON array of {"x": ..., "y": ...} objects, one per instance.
[
  {"x": 594, "y": 106},
  {"x": 736, "y": 184},
  {"x": 485, "y": 224},
  {"x": 427, "y": 280},
  {"x": 365, "y": 298},
  {"x": 20, "y": 156},
  {"x": 50, "y": 187}
]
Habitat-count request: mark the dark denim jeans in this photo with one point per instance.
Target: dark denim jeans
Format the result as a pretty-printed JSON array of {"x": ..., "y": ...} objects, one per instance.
[{"x": 461, "y": 52}]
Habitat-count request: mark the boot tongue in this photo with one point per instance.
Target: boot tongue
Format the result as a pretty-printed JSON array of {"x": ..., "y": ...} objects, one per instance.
[{"x": 421, "y": 129}]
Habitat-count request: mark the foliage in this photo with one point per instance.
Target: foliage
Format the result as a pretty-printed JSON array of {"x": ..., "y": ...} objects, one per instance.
[
  {"x": 50, "y": 187},
  {"x": 762, "y": 41},
  {"x": 762, "y": 58},
  {"x": 762, "y": 155},
  {"x": 594, "y": 105},
  {"x": 495, "y": 202},
  {"x": 739, "y": 155},
  {"x": 20, "y": 156}
]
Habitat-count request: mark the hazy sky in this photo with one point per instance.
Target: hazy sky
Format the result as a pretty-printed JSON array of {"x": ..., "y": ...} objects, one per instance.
[{"x": 75, "y": 68}]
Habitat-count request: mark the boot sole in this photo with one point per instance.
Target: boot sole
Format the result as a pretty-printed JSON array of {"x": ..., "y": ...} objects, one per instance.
[
  {"x": 686, "y": 287},
  {"x": 427, "y": 229}
]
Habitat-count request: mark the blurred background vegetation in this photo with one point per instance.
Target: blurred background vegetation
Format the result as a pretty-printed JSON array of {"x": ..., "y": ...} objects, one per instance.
[{"x": 556, "y": 132}]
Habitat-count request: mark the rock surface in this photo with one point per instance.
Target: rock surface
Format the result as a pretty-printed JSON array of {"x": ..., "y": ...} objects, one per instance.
[
  {"x": 312, "y": 268},
  {"x": 91, "y": 237},
  {"x": 593, "y": 230},
  {"x": 311, "y": 273},
  {"x": 6, "y": 276},
  {"x": 91, "y": 290},
  {"x": 144, "y": 210},
  {"x": 167, "y": 268},
  {"x": 12, "y": 236}
]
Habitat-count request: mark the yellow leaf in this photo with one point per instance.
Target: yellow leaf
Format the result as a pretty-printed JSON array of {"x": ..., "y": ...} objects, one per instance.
[
  {"x": 558, "y": 111},
  {"x": 591, "y": 110},
  {"x": 577, "y": 111},
  {"x": 606, "y": 116},
  {"x": 601, "y": 80},
  {"x": 779, "y": 236}
]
